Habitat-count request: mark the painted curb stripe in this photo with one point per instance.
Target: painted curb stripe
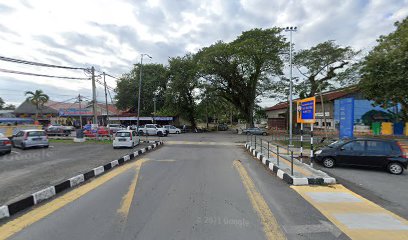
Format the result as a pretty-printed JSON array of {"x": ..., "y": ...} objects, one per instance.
[
  {"x": 4, "y": 212},
  {"x": 62, "y": 186},
  {"x": 43, "y": 194},
  {"x": 286, "y": 177},
  {"x": 20, "y": 205}
]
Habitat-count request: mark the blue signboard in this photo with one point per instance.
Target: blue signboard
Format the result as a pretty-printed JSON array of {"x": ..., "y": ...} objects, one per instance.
[
  {"x": 306, "y": 110},
  {"x": 74, "y": 112},
  {"x": 346, "y": 118}
]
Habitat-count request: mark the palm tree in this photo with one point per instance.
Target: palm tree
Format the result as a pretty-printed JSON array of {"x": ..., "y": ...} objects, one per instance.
[{"x": 37, "y": 98}]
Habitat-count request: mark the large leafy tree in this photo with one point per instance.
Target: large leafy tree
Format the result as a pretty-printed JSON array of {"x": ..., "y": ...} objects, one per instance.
[
  {"x": 2, "y": 103},
  {"x": 385, "y": 69},
  {"x": 322, "y": 65},
  {"x": 241, "y": 71},
  {"x": 38, "y": 99},
  {"x": 154, "y": 83},
  {"x": 181, "y": 91}
]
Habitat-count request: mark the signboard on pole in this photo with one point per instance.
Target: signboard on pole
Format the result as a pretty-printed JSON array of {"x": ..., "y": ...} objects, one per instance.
[
  {"x": 346, "y": 118},
  {"x": 306, "y": 110}
]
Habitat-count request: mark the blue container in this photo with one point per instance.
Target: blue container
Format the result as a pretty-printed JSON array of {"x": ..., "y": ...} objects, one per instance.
[{"x": 399, "y": 128}]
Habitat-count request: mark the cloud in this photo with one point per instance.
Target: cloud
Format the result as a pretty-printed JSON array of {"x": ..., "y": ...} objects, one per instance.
[
  {"x": 112, "y": 36},
  {"x": 5, "y": 9}
]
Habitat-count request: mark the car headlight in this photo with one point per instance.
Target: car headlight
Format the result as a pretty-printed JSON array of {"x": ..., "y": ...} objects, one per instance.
[{"x": 318, "y": 152}]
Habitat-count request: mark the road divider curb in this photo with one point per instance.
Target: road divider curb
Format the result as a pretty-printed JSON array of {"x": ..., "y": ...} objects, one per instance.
[
  {"x": 287, "y": 177},
  {"x": 49, "y": 192}
]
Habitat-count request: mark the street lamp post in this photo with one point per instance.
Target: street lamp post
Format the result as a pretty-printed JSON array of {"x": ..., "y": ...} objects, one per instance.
[
  {"x": 140, "y": 88},
  {"x": 290, "y": 30}
]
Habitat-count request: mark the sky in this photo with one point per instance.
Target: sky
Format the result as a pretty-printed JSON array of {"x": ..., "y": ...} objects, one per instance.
[{"x": 112, "y": 35}]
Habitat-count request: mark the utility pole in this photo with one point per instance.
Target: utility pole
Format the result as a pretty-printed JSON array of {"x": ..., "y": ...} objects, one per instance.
[
  {"x": 154, "y": 109},
  {"x": 140, "y": 88},
  {"x": 95, "y": 120},
  {"x": 290, "y": 30},
  {"x": 106, "y": 100},
  {"x": 80, "y": 110}
]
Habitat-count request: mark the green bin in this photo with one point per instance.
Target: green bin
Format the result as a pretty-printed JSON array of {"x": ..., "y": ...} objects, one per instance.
[{"x": 376, "y": 127}]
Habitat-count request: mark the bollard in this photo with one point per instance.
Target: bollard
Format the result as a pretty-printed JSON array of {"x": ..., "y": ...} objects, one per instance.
[
  {"x": 291, "y": 162},
  {"x": 255, "y": 140},
  {"x": 277, "y": 154},
  {"x": 251, "y": 140}
]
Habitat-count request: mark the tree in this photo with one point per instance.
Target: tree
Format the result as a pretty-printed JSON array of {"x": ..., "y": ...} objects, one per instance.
[
  {"x": 9, "y": 107},
  {"x": 183, "y": 82},
  {"x": 37, "y": 98},
  {"x": 2, "y": 103},
  {"x": 241, "y": 71},
  {"x": 384, "y": 70},
  {"x": 154, "y": 83},
  {"x": 320, "y": 66}
]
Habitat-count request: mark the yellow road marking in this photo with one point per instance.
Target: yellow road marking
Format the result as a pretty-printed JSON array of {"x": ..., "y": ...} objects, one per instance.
[
  {"x": 331, "y": 209},
  {"x": 18, "y": 224},
  {"x": 127, "y": 199},
  {"x": 298, "y": 169},
  {"x": 270, "y": 225}
]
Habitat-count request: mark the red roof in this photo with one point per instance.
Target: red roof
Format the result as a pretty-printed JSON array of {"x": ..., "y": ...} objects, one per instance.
[{"x": 327, "y": 96}]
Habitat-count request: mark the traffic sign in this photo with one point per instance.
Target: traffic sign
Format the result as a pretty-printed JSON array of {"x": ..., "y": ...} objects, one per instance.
[{"x": 306, "y": 110}]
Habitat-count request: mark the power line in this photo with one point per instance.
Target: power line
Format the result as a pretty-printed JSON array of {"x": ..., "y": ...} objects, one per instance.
[
  {"x": 40, "y": 75},
  {"x": 14, "y": 60},
  {"x": 112, "y": 76}
]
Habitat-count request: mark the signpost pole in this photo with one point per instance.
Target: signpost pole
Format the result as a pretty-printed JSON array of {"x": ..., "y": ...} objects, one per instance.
[
  {"x": 301, "y": 142},
  {"x": 311, "y": 144}
]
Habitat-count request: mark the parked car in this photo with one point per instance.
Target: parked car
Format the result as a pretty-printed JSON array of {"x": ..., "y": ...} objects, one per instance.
[
  {"x": 102, "y": 131},
  {"x": 255, "y": 131},
  {"x": 172, "y": 129},
  {"x": 380, "y": 153},
  {"x": 223, "y": 127},
  {"x": 30, "y": 138},
  {"x": 153, "y": 129},
  {"x": 56, "y": 125},
  {"x": 125, "y": 138},
  {"x": 113, "y": 128},
  {"x": 5, "y": 144},
  {"x": 56, "y": 131}
]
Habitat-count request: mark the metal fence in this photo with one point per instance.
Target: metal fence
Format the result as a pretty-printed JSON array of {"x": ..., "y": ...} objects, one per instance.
[{"x": 268, "y": 147}]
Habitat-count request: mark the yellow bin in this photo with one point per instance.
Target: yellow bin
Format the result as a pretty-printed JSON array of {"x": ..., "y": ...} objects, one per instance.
[
  {"x": 387, "y": 128},
  {"x": 406, "y": 129}
]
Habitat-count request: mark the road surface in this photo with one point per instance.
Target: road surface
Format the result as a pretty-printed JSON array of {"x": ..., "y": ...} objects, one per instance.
[{"x": 194, "y": 187}]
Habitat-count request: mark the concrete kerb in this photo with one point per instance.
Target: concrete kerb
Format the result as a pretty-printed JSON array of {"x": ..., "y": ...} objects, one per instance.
[
  {"x": 324, "y": 180},
  {"x": 49, "y": 192}
]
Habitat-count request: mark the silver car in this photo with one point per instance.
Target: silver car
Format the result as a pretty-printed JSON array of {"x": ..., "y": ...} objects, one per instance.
[
  {"x": 254, "y": 131},
  {"x": 5, "y": 144},
  {"x": 30, "y": 138}
]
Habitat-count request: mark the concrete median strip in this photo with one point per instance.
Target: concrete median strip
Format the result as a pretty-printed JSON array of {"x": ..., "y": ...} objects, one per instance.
[
  {"x": 49, "y": 192},
  {"x": 304, "y": 175}
]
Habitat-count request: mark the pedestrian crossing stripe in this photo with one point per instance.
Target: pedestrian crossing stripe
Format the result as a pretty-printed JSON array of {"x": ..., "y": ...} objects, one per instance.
[{"x": 356, "y": 216}]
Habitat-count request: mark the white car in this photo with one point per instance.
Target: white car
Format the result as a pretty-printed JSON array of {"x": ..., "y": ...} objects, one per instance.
[
  {"x": 172, "y": 129},
  {"x": 114, "y": 127},
  {"x": 125, "y": 138},
  {"x": 153, "y": 129}
]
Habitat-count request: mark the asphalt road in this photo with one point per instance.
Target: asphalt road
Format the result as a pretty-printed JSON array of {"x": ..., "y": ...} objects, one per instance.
[
  {"x": 389, "y": 191},
  {"x": 190, "y": 188},
  {"x": 26, "y": 171}
]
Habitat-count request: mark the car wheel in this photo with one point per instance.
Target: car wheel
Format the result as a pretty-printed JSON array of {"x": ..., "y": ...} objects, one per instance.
[
  {"x": 395, "y": 168},
  {"x": 328, "y": 162},
  {"x": 177, "y": 132},
  {"x": 8, "y": 152},
  {"x": 133, "y": 144},
  {"x": 248, "y": 133},
  {"x": 264, "y": 133},
  {"x": 23, "y": 146},
  {"x": 46, "y": 146}
]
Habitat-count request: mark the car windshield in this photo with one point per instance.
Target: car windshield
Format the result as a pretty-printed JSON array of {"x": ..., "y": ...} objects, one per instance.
[
  {"x": 36, "y": 133},
  {"x": 336, "y": 143},
  {"x": 122, "y": 134}
]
